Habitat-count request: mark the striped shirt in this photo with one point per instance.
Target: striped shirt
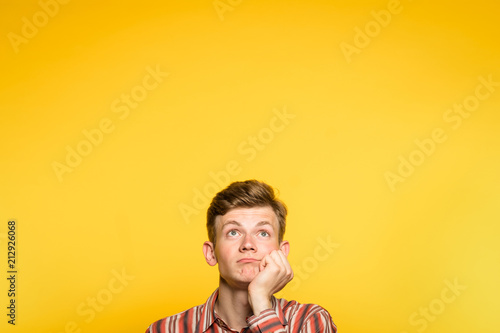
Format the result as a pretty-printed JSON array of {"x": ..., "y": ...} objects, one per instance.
[{"x": 285, "y": 316}]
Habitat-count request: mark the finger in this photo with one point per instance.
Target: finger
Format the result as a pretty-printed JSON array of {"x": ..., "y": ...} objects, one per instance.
[
  {"x": 266, "y": 261},
  {"x": 285, "y": 261},
  {"x": 280, "y": 258},
  {"x": 271, "y": 259},
  {"x": 284, "y": 269},
  {"x": 274, "y": 256},
  {"x": 263, "y": 263},
  {"x": 286, "y": 264}
]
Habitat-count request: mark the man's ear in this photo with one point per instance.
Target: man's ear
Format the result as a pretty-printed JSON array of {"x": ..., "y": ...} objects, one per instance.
[
  {"x": 285, "y": 247},
  {"x": 209, "y": 252}
]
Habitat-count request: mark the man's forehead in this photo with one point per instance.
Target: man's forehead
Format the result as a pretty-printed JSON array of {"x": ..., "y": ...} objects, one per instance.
[{"x": 255, "y": 215}]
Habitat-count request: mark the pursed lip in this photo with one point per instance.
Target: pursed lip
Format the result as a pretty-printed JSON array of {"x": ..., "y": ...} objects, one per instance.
[{"x": 245, "y": 260}]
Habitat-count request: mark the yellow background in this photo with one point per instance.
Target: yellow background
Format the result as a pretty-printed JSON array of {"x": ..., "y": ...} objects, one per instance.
[{"x": 119, "y": 209}]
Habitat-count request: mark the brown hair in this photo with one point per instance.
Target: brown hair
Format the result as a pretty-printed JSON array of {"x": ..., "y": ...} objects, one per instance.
[{"x": 246, "y": 194}]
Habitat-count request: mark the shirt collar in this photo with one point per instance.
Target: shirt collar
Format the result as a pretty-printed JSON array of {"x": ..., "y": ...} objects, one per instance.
[{"x": 208, "y": 313}]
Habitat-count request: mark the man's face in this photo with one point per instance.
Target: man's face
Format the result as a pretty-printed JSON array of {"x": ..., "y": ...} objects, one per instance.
[{"x": 243, "y": 237}]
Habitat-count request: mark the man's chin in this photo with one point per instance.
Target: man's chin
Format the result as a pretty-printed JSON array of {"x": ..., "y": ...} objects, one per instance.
[
  {"x": 247, "y": 278},
  {"x": 249, "y": 272},
  {"x": 241, "y": 279}
]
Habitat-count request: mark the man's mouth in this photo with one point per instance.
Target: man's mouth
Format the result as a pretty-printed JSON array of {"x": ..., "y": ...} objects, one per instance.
[{"x": 246, "y": 260}]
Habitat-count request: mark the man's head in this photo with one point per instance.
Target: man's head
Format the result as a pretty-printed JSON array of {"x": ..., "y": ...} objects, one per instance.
[
  {"x": 245, "y": 222},
  {"x": 246, "y": 194}
]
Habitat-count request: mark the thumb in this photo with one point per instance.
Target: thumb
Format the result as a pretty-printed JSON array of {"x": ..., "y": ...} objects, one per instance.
[{"x": 263, "y": 263}]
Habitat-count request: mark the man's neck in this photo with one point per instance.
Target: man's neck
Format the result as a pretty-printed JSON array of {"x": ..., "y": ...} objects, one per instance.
[{"x": 232, "y": 306}]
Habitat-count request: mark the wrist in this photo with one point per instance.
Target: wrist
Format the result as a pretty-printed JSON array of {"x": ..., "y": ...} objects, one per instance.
[{"x": 259, "y": 303}]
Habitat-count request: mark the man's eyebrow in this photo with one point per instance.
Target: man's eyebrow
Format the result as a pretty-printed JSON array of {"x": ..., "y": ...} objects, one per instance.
[
  {"x": 261, "y": 223},
  {"x": 231, "y": 222}
]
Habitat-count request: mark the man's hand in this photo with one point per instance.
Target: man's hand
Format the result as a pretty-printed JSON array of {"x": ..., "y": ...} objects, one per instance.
[{"x": 274, "y": 273}]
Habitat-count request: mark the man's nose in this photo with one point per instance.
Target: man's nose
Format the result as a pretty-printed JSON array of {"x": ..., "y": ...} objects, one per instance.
[{"x": 248, "y": 244}]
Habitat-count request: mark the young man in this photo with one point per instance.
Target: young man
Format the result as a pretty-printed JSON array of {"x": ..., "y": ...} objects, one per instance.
[{"x": 246, "y": 224}]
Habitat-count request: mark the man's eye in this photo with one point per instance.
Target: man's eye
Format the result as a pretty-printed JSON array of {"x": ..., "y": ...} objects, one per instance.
[
  {"x": 264, "y": 233},
  {"x": 232, "y": 233}
]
